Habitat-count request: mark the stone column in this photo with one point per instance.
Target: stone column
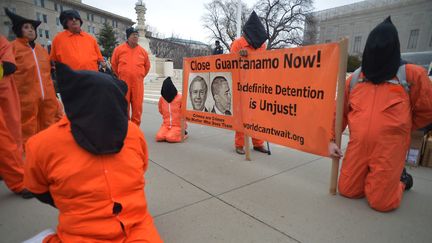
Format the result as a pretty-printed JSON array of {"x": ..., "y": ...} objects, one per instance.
[{"x": 143, "y": 41}]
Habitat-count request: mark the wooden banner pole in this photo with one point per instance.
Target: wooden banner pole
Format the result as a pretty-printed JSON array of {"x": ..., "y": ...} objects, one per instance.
[
  {"x": 343, "y": 58},
  {"x": 183, "y": 120},
  {"x": 247, "y": 147},
  {"x": 182, "y": 125}
]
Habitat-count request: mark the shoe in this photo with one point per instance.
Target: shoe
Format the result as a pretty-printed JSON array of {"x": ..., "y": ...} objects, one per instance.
[
  {"x": 407, "y": 180},
  {"x": 240, "y": 150},
  {"x": 26, "y": 194},
  {"x": 261, "y": 149}
]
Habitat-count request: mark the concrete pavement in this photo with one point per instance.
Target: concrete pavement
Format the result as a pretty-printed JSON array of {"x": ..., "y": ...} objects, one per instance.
[{"x": 201, "y": 191}]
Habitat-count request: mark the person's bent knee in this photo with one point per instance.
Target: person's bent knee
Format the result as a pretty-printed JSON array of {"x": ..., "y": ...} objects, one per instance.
[
  {"x": 174, "y": 139},
  {"x": 350, "y": 191},
  {"x": 160, "y": 137},
  {"x": 382, "y": 205}
]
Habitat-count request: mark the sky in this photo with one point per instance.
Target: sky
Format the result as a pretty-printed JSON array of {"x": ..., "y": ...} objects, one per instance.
[{"x": 181, "y": 18}]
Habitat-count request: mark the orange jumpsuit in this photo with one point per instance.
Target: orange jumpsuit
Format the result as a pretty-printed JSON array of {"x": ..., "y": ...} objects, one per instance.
[
  {"x": 170, "y": 129},
  {"x": 35, "y": 88},
  {"x": 11, "y": 163},
  {"x": 85, "y": 187},
  {"x": 132, "y": 65},
  {"x": 78, "y": 51},
  {"x": 380, "y": 118},
  {"x": 236, "y": 46}
]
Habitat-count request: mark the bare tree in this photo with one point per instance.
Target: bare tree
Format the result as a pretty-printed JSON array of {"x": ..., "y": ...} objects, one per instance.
[
  {"x": 283, "y": 20},
  {"x": 221, "y": 20}
]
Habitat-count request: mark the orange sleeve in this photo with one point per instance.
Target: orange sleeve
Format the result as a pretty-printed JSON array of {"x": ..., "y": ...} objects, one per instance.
[
  {"x": 34, "y": 178},
  {"x": 53, "y": 53},
  {"x": 235, "y": 46},
  {"x": 420, "y": 95},
  {"x": 97, "y": 50},
  {"x": 160, "y": 105},
  {"x": 6, "y": 51},
  {"x": 147, "y": 63},
  {"x": 114, "y": 61}
]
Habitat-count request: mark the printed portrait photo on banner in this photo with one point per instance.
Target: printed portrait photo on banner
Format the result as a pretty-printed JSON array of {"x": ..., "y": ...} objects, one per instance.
[
  {"x": 198, "y": 92},
  {"x": 221, "y": 93}
]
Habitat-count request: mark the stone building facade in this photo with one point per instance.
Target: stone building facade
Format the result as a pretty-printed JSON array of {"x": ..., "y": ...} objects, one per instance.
[
  {"x": 48, "y": 12},
  {"x": 413, "y": 19}
]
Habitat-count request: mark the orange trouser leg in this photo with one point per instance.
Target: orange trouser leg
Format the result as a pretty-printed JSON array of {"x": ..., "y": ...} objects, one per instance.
[
  {"x": 161, "y": 134},
  {"x": 11, "y": 164},
  {"x": 144, "y": 231},
  {"x": 137, "y": 96},
  {"x": 174, "y": 135},
  {"x": 239, "y": 140},
  {"x": 383, "y": 189},
  {"x": 353, "y": 172},
  {"x": 29, "y": 119},
  {"x": 47, "y": 113}
]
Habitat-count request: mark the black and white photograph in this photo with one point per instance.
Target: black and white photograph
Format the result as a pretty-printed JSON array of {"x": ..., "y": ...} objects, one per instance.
[
  {"x": 198, "y": 92},
  {"x": 221, "y": 93}
]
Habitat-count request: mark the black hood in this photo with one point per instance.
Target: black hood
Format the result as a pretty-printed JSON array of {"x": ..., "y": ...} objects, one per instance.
[
  {"x": 18, "y": 22},
  {"x": 254, "y": 31},
  {"x": 381, "y": 56},
  {"x": 129, "y": 31},
  {"x": 96, "y": 107},
  {"x": 69, "y": 14},
  {"x": 168, "y": 90}
]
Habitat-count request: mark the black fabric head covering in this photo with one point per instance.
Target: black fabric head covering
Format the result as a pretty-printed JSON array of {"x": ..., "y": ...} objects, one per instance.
[
  {"x": 96, "y": 107},
  {"x": 18, "y": 22},
  {"x": 69, "y": 14},
  {"x": 254, "y": 31},
  {"x": 381, "y": 56},
  {"x": 168, "y": 90},
  {"x": 129, "y": 31}
]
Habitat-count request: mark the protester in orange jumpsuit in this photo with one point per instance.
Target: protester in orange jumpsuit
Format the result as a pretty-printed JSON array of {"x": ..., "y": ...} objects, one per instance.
[
  {"x": 11, "y": 163},
  {"x": 130, "y": 63},
  {"x": 90, "y": 165},
  {"x": 381, "y": 115},
  {"x": 75, "y": 47},
  {"x": 170, "y": 105},
  {"x": 33, "y": 78},
  {"x": 254, "y": 36}
]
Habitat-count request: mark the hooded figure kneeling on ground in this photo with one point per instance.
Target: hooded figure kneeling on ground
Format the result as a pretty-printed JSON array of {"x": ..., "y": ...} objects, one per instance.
[
  {"x": 170, "y": 106},
  {"x": 91, "y": 164},
  {"x": 384, "y": 101}
]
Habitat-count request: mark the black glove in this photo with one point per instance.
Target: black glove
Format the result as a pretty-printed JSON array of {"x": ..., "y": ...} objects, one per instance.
[{"x": 8, "y": 68}]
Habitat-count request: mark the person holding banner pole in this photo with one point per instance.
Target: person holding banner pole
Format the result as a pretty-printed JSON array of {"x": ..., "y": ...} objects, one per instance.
[
  {"x": 252, "y": 40},
  {"x": 384, "y": 101}
]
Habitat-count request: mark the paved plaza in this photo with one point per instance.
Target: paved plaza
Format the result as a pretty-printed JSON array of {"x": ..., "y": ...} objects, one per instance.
[{"x": 201, "y": 191}]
